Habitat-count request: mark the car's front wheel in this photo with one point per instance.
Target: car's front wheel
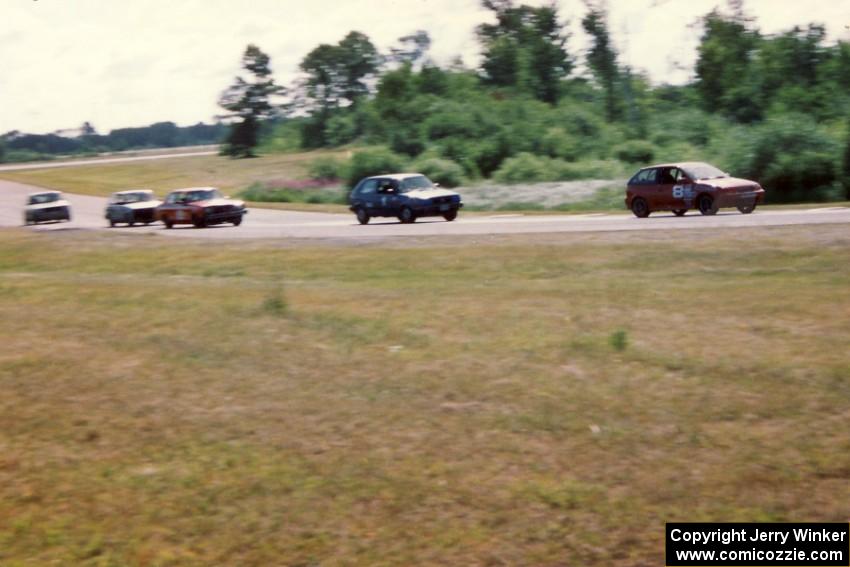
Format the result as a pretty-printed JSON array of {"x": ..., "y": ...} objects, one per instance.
[
  {"x": 167, "y": 223},
  {"x": 200, "y": 222},
  {"x": 362, "y": 216},
  {"x": 132, "y": 220},
  {"x": 747, "y": 209},
  {"x": 706, "y": 206},
  {"x": 237, "y": 221},
  {"x": 111, "y": 223},
  {"x": 680, "y": 212},
  {"x": 406, "y": 215},
  {"x": 450, "y": 216},
  {"x": 640, "y": 208}
]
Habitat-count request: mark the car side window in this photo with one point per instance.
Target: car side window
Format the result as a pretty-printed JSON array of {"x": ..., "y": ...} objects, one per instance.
[
  {"x": 645, "y": 177},
  {"x": 369, "y": 187},
  {"x": 668, "y": 176},
  {"x": 387, "y": 186}
]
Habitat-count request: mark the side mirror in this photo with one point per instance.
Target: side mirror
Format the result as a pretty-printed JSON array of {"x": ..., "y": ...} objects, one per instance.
[{"x": 436, "y": 184}]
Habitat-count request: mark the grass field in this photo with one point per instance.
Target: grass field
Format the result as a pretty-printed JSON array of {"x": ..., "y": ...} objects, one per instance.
[
  {"x": 163, "y": 175},
  {"x": 547, "y": 400}
]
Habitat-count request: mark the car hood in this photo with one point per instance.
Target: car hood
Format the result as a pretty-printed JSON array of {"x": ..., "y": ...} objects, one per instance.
[
  {"x": 219, "y": 202},
  {"x": 138, "y": 205},
  {"x": 728, "y": 182},
  {"x": 429, "y": 193},
  {"x": 60, "y": 203}
]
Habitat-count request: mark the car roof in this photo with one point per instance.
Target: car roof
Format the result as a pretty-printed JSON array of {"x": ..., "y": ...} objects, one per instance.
[
  {"x": 125, "y": 191},
  {"x": 395, "y": 176},
  {"x": 45, "y": 193},
  {"x": 676, "y": 164},
  {"x": 187, "y": 189}
]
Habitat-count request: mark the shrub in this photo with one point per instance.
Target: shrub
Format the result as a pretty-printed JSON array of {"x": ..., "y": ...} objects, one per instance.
[
  {"x": 588, "y": 169},
  {"x": 635, "y": 151},
  {"x": 619, "y": 340},
  {"x": 556, "y": 143},
  {"x": 525, "y": 167},
  {"x": 372, "y": 162},
  {"x": 443, "y": 171},
  {"x": 326, "y": 167},
  {"x": 790, "y": 155}
]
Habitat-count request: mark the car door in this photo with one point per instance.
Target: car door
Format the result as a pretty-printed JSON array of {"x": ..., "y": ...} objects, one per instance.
[
  {"x": 666, "y": 181},
  {"x": 389, "y": 198},
  {"x": 681, "y": 193}
]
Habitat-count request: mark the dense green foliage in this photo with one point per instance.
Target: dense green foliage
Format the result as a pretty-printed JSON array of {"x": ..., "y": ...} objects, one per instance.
[{"x": 771, "y": 108}]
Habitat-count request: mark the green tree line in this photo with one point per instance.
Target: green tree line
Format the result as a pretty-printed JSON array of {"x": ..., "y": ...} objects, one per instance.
[{"x": 769, "y": 107}]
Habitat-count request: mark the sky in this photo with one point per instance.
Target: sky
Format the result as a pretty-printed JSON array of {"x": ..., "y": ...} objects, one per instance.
[{"x": 132, "y": 63}]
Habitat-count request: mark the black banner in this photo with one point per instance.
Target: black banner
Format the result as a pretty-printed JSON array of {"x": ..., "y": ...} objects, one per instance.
[{"x": 758, "y": 545}]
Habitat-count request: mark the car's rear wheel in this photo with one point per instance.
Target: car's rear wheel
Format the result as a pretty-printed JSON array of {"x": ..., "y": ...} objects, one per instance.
[
  {"x": 406, "y": 215},
  {"x": 132, "y": 220},
  {"x": 362, "y": 216},
  {"x": 747, "y": 209},
  {"x": 450, "y": 216},
  {"x": 168, "y": 223},
  {"x": 706, "y": 205},
  {"x": 111, "y": 223},
  {"x": 237, "y": 221},
  {"x": 640, "y": 208},
  {"x": 200, "y": 222},
  {"x": 680, "y": 212}
]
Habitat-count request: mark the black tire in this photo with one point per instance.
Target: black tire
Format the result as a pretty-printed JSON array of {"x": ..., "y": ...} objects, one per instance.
[
  {"x": 705, "y": 204},
  {"x": 747, "y": 209},
  {"x": 200, "y": 222},
  {"x": 362, "y": 216},
  {"x": 451, "y": 215},
  {"x": 237, "y": 221},
  {"x": 132, "y": 220},
  {"x": 168, "y": 223},
  {"x": 406, "y": 215},
  {"x": 111, "y": 223},
  {"x": 680, "y": 212},
  {"x": 640, "y": 208}
]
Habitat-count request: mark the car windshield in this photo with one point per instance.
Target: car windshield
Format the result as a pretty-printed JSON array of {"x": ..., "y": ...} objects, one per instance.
[
  {"x": 417, "y": 182},
  {"x": 124, "y": 198},
  {"x": 201, "y": 195},
  {"x": 43, "y": 198},
  {"x": 703, "y": 171}
]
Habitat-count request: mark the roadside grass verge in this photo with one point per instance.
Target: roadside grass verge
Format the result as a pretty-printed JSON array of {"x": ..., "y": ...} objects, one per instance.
[
  {"x": 163, "y": 175},
  {"x": 530, "y": 401}
]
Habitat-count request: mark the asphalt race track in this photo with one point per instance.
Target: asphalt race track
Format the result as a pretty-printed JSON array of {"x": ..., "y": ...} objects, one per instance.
[{"x": 87, "y": 213}]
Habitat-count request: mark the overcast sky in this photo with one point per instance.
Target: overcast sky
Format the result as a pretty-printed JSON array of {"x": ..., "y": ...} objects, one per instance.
[{"x": 131, "y": 63}]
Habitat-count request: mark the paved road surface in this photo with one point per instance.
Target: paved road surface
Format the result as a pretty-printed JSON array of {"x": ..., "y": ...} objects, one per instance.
[{"x": 266, "y": 223}]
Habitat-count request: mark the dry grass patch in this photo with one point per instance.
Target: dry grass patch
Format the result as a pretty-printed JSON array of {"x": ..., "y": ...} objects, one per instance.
[{"x": 247, "y": 404}]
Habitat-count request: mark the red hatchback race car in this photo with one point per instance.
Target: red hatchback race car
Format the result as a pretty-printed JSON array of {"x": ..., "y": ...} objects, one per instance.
[{"x": 679, "y": 187}]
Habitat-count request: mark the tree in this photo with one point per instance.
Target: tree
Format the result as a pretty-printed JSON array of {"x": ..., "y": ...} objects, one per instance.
[
  {"x": 726, "y": 80},
  {"x": 524, "y": 49},
  {"x": 250, "y": 102},
  {"x": 845, "y": 164},
  {"x": 413, "y": 48},
  {"x": 602, "y": 59},
  {"x": 336, "y": 76}
]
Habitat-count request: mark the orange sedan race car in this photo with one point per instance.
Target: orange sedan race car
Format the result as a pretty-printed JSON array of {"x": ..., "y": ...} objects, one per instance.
[
  {"x": 200, "y": 206},
  {"x": 679, "y": 187}
]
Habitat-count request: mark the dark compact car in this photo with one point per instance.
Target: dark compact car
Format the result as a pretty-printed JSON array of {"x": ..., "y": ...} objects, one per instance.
[
  {"x": 132, "y": 206},
  {"x": 46, "y": 206},
  {"x": 407, "y": 196},
  {"x": 679, "y": 187},
  {"x": 200, "y": 206}
]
